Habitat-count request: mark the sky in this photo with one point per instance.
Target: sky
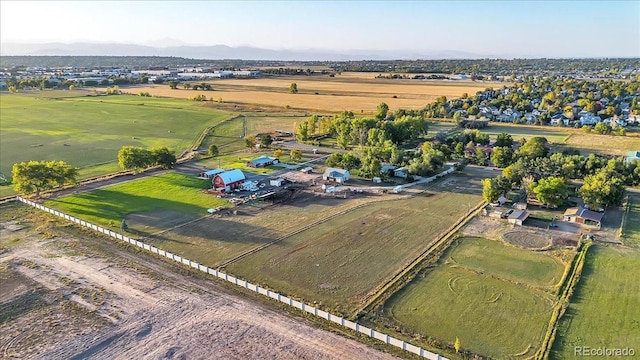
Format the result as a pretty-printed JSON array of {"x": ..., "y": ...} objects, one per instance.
[{"x": 499, "y": 28}]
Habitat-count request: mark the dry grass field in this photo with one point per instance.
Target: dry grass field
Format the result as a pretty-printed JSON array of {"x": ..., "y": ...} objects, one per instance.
[
  {"x": 614, "y": 145},
  {"x": 326, "y": 94}
]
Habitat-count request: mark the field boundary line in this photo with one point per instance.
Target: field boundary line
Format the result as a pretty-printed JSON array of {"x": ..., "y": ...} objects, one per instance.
[
  {"x": 563, "y": 302},
  {"x": 385, "y": 338},
  {"x": 442, "y": 238}
]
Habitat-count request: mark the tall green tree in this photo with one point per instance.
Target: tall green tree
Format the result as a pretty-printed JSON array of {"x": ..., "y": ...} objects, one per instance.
[
  {"x": 604, "y": 188},
  {"x": 37, "y": 176},
  {"x": 490, "y": 190},
  {"x": 381, "y": 111},
  {"x": 504, "y": 139},
  {"x": 295, "y": 154},
  {"x": 134, "y": 158},
  {"x": 501, "y": 156},
  {"x": 293, "y": 88},
  {"x": 266, "y": 140},
  {"x": 550, "y": 191},
  {"x": 213, "y": 150},
  {"x": 163, "y": 157}
]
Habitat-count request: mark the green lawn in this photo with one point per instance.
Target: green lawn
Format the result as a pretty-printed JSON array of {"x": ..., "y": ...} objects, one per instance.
[
  {"x": 338, "y": 262},
  {"x": 87, "y": 132},
  {"x": 170, "y": 194},
  {"x": 605, "y": 308},
  {"x": 228, "y": 136},
  {"x": 485, "y": 293}
]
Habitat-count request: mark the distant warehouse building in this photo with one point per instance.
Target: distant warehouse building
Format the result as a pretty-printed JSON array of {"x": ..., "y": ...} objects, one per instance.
[{"x": 228, "y": 180}]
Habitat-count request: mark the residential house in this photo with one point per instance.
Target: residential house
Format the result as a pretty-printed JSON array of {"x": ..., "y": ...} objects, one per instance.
[
  {"x": 559, "y": 118},
  {"x": 584, "y": 217},
  {"x": 336, "y": 174},
  {"x": 589, "y": 119}
]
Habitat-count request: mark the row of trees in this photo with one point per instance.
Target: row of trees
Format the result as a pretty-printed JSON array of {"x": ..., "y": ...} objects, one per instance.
[
  {"x": 137, "y": 158},
  {"x": 545, "y": 177}
]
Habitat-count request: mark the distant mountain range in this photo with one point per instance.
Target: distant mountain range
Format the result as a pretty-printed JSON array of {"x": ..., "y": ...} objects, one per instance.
[{"x": 217, "y": 52}]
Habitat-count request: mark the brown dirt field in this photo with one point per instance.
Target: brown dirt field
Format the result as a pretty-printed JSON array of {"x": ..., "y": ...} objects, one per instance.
[
  {"x": 76, "y": 296},
  {"x": 334, "y": 94}
]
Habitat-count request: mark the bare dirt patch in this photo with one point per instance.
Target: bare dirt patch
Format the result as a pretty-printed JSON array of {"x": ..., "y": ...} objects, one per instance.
[
  {"x": 527, "y": 239},
  {"x": 77, "y": 296}
]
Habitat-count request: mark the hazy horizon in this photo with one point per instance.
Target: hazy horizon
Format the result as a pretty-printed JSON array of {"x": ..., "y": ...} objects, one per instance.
[{"x": 569, "y": 29}]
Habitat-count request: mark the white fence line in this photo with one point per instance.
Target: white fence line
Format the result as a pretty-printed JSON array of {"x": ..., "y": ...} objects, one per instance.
[{"x": 274, "y": 295}]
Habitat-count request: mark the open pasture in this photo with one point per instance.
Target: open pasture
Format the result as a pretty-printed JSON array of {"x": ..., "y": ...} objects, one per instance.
[
  {"x": 489, "y": 295},
  {"x": 324, "y": 93},
  {"x": 604, "y": 311},
  {"x": 87, "y": 132},
  {"x": 149, "y": 204},
  {"x": 336, "y": 263}
]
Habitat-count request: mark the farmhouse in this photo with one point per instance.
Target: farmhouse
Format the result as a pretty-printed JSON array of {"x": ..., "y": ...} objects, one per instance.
[
  {"x": 262, "y": 161},
  {"x": 517, "y": 217},
  {"x": 583, "y": 216},
  {"x": 632, "y": 156},
  {"x": 335, "y": 174},
  {"x": 306, "y": 170},
  {"x": 209, "y": 174},
  {"x": 228, "y": 180}
]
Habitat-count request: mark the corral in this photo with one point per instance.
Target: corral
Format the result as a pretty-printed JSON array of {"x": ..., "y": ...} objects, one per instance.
[{"x": 496, "y": 299}]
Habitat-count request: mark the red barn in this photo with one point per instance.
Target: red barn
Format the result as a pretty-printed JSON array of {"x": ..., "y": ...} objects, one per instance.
[{"x": 228, "y": 180}]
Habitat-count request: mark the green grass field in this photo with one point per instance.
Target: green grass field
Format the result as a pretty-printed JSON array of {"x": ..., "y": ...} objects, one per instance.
[
  {"x": 336, "y": 263},
  {"x": 160, "y": 201},
  {"x": 632, "y": 223},
  {"x": 87, "y": 132},
  {"x": 605, "y": 307},
  {"x": 489, "y": 295}
]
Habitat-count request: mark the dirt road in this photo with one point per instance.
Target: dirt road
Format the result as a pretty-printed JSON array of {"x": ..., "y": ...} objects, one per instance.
[{"x": 75, "y": 296}]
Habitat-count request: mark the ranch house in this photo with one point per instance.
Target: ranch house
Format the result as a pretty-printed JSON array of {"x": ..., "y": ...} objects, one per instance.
[
  {"x": 209, "y": 174},
  {"x": 335, "y": 174},
  {"x": 583, "y": 216},
  {"x": 262, "y": 161},
  {"x": 228, "y": 180}
]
